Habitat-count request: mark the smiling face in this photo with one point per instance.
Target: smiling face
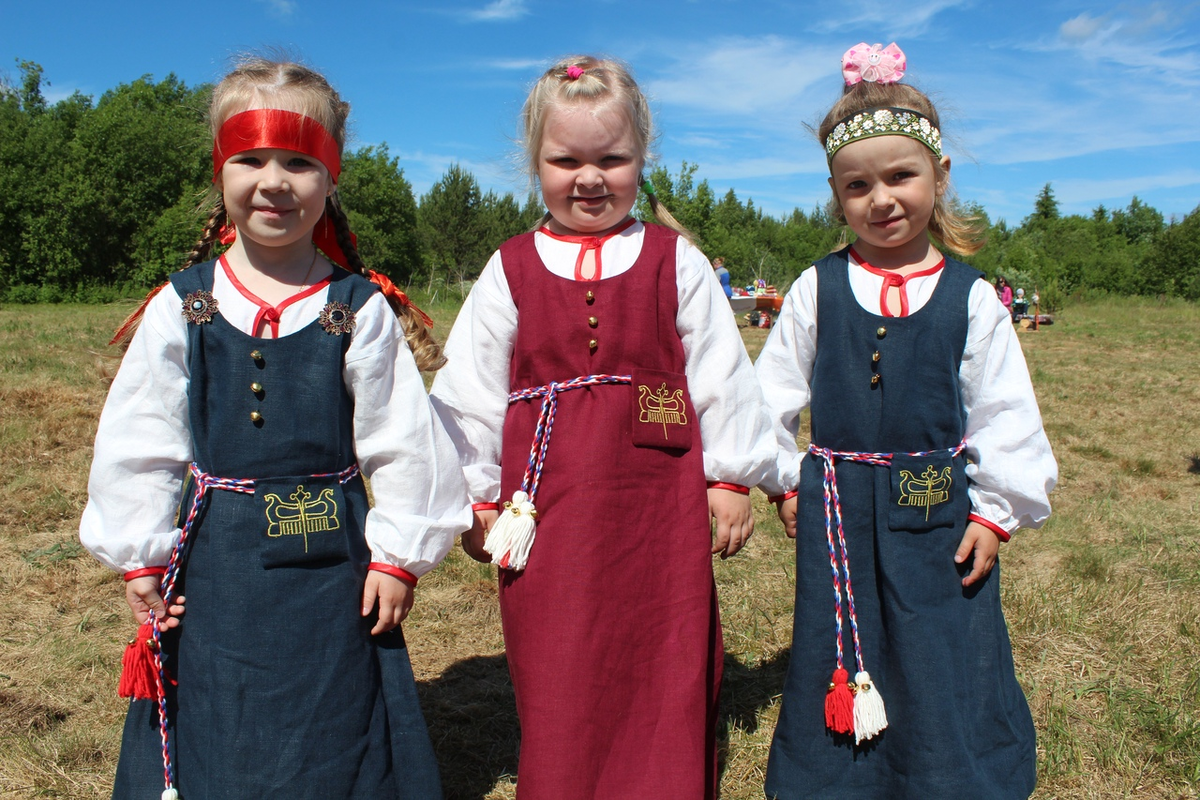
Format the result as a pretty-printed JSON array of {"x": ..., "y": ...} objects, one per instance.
[
  {"x": 887, "y": 187},
  {"x": 275, "y": 197},
  {"x": 588, "y": 166}
]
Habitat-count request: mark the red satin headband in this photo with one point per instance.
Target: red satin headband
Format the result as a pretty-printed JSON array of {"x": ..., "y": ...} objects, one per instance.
[{"x": 275, "y": 128}]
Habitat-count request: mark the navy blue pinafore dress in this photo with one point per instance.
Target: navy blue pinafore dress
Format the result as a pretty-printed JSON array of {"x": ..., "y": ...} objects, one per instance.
[
  {"x": 281, "y": 689},
  {"x": 939, "y": 654}
]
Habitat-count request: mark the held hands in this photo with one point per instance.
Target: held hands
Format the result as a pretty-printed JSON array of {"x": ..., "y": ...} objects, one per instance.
[
  {"x": 395, "y": 600},
  {"x": 787, "y": 514},
  {"x": 142, "y": 596},
  {"x": 472, "y": 540},
  {"x": 986, "y": 544},
  {"x": 734, "y": 518}
]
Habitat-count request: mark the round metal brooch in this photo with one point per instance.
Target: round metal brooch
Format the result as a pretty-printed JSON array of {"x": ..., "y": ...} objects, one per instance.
[
  {"x": 337, "y": 318},
  {"x": 199, "y": 307}
]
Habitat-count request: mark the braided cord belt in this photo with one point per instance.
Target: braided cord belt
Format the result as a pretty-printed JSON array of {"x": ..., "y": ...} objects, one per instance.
[{"x": 204, "y": 482}]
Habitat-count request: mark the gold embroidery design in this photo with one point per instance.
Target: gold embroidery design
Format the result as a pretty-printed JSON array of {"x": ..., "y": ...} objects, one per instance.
[
  {"x": 301, "y": 517},
  {"x": 929, "y": 490},
  {"x": 662, "y": 406}
]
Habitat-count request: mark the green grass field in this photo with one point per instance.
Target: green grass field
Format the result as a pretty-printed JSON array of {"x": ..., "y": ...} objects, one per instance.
[{"x": 1103, "y": 603}]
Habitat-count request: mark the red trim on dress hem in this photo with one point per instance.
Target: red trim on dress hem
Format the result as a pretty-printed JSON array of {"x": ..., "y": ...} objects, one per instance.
[
  {"x": 144, "y": 571},
  {"x": 395, "y": 572},
  {"x": 732, "y": 487},
  {"x": 1002, "y": 534},
  {"x": 267, "y": 312}
]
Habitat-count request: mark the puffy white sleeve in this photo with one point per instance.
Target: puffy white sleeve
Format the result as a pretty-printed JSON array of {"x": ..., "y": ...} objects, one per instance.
[
  {"x": 784, "y": 370},
  {"x": 1012, "y": 469},
  {"x": 470, "y": 393},
  {"x": 143, "y": 447},
  {"x": 739, "y": 446},
  {"x": 420, "y": 495}
]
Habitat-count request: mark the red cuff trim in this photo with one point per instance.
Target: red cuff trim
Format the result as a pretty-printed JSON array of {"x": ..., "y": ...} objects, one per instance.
[
  {"x": 779, "y": 498},
  {"x": 395, "y": 572},
  {"x": 141, "y": 573},
  {"x": 1001, "y": 534},
  {"x": 731, "y": 487},
  {"x": 485, "y": 506}
]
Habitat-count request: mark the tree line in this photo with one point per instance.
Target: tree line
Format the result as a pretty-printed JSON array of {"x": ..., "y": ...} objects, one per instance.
[{"x": 100, "y": 198}]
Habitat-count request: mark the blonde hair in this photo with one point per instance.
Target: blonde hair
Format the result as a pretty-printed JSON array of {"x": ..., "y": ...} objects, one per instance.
[
  {"x": 953, "y": 230},
  {"x": 596, "y": 81},
  {"x": 258, "y": 82}
]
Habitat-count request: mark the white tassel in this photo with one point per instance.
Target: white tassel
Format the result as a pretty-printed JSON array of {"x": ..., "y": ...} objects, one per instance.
[
  {"x": 869, "y": 716},
  {"x": 510, "y": 539},
  {"x": 170, "y": 794}
]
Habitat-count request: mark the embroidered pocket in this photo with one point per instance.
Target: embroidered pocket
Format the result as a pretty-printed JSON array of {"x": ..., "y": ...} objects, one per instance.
[
  {"x": 304, "y": 520},
  {"x": 927, "y": 492},
  {"x": 662, "y": 415}
]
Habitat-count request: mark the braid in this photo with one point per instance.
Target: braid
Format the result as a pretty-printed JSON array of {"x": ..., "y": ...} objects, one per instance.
[
  {"x": 199, "y": 254},
  {"x": 212, "y": 229},
  {"x": 425, "y": 349},
  {"x": 667, "y": 218}
]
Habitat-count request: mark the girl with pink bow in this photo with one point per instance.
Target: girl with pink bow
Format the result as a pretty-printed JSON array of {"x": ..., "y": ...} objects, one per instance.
[{"x": 927, "y": 452}]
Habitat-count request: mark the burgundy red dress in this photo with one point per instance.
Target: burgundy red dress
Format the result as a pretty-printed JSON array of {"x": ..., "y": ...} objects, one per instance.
[{"x": 612, "y": 630}]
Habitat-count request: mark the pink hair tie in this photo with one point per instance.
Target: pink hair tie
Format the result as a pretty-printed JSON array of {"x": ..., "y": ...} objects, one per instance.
[
  {"x": 873, "y": 63},
  {"x": 574, "y": 72}
]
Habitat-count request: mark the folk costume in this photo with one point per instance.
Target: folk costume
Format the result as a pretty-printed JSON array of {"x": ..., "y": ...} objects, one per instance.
[
  {"x": 611, "y": 628},
  {"x": 278, "y": 687},
  {"x": 888, "y": 486}
]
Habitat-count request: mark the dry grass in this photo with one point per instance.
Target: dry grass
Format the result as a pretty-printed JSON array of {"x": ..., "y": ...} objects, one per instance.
[{"x": 1103, "y": 604}]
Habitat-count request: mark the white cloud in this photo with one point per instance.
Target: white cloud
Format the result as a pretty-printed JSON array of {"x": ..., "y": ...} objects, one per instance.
[
  {"x": 1080, "y": 28},
  {"x": 1088, "y": 191},
  {"x": 281, "y": 8},
  {"x": 518, "y": 64},
  {"x": 744, "y": 76},
  {"x": 500, "y": 11},
  {"x": 898, "y": 20}
]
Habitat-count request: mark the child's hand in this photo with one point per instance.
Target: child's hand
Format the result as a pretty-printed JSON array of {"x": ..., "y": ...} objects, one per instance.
[
  {"x": 395, "y": 600},
  {"x": 986, "y": 544},
  {"x": 472, "y": 540},
  {"x": 787, "y": 514},
  {"x": 142, "y": 596},
  {"x": 734, "y": 518}
]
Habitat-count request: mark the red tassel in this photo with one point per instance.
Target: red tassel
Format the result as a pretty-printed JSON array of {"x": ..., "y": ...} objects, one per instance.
[
  {"x": 137, "y": 667},
  {"x": 839, "y": 704}
]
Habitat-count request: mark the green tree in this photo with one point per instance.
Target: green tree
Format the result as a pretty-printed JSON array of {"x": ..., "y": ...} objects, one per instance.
[
  {"x": 449, "y": 220},
  {"x": 379, "y": 202},
  {"x": 1173, "y": 263}
]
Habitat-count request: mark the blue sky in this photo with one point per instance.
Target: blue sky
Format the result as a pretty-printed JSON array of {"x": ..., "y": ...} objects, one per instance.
[{"x": 1102, "y": 100}]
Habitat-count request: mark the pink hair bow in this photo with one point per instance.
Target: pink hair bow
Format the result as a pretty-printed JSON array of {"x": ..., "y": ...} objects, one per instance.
[{"x": 873, "y": 63}]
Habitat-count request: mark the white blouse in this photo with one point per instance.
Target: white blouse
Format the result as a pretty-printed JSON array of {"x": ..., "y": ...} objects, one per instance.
[
  {"x": 471, "y": 392},
  {"x": 144, "y": 446},
  {"x": 1011, "y": 470}
]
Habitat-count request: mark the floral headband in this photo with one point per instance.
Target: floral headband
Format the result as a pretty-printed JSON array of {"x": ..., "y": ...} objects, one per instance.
[{"x": 878, "y": 64}]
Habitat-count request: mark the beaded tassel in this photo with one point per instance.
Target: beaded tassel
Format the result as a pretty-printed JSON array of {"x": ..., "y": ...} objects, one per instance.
[{"x": 510, "y": 539}]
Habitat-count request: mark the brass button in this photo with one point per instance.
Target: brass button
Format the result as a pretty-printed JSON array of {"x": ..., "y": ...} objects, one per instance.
[
  {"x": 875, "y": 356},
  {"x": 255, "y": 416},
  {"x": 593, "y": 322},
  {"x": 881, "y": 332},
  {"x": 591, "y": 297},
  {"x": 592, "y": 344},
  {"x": 874, "y": 380},
  {"x": 256, "y": 387},
  {"x": 256, "y": 355}
]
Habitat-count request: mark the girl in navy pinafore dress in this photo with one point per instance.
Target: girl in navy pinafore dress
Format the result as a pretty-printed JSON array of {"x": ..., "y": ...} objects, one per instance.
[
  {"x": 927, "y": 452},
  {"x": 597, "y": 380},
  {"x": 258, "y": 391}
]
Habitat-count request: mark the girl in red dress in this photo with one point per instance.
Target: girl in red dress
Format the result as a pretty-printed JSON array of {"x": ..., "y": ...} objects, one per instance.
[{"x": 614, "y": 337}]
